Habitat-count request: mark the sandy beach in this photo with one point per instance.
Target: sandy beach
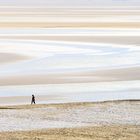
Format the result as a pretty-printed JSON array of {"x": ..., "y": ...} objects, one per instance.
[
  {"x": 87, "y": 133},
  {"x": 82, "y": 121}
]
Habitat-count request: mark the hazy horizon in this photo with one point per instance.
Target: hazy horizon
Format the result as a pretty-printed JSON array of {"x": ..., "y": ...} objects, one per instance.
[{"x": 72, "y": 3}]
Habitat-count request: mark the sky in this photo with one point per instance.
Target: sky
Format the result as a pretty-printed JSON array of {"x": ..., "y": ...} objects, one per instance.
[{"x": 72, "y": 3}]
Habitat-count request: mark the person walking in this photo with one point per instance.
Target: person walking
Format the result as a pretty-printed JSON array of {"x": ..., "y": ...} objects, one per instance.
[{"x": 33, "y": 100}]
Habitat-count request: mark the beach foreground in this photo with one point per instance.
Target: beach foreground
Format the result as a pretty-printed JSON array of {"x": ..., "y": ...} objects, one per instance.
[
  {"x": 80, "y": 121},
  {"x": 117, "y": 132}
]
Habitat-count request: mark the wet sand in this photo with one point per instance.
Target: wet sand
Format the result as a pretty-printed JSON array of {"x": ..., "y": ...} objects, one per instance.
[
  {"x": 119, "y": 74},
  {"x": 70, "y": 17},
  {"x": 9, "y": 58},
  {"x": 124, "y": 40}
]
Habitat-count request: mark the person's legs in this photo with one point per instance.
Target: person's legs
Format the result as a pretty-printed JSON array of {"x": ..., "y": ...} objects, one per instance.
[{"x": 33, "y": 102}]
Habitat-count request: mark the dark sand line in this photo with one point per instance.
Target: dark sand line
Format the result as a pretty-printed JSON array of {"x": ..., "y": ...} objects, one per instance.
[
  {"x": 11, "y": 57},
  {"x": 125, "y": 40},
  {"x": 70, "y": 24}
]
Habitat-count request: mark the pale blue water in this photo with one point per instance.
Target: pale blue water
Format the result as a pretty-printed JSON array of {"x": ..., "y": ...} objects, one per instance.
[
  {"x": 71, "y": 31},
  {"x": 62, "y": 57}
]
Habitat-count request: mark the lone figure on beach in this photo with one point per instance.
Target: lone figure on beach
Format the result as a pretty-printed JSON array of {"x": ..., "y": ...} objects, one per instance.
[{"x": 33, "y": 99}]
